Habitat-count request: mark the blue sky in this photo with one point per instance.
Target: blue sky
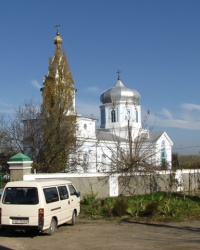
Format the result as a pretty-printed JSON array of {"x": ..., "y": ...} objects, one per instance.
[{"x": 155, "y": 44}]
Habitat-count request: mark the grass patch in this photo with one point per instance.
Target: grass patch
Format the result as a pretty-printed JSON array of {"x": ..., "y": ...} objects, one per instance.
[{"x": 159, "y": 206}]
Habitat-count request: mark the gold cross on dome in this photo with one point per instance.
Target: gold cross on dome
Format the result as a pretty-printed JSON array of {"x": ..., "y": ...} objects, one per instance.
[{"x": 57, "y": 26}]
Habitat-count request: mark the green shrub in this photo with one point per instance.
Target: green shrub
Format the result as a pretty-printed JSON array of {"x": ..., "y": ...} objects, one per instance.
[
  {"x": 120, "y": 207},
  {"x": 89, "y": 198},
  {"x": 107, "y": 211},
  {"x": 151, "y": 209}
]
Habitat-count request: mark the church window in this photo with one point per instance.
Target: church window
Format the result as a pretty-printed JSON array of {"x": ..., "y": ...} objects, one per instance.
[
  {"x": 136, "y": 115},
  {"x": 163, "y": 155},
  {"x": 103, "y": 116},
  {"x": 128, "y": 115},
  {"x": 113, "y": 116}
]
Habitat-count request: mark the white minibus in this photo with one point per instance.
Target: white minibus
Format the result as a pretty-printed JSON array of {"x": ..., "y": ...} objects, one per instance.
[{"x": 39, "y": 204}]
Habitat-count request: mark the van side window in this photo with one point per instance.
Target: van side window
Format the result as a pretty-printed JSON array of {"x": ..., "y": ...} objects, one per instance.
[
  {"x": 63, "y": 192},
  {"x": 51, "y": 194},
  {"x": 72, "y": 190}
]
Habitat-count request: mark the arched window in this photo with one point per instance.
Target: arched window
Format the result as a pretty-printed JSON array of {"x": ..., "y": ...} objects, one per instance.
[
  {"x": 113, "y": 116},
  {"x": 127, "y": 115}
]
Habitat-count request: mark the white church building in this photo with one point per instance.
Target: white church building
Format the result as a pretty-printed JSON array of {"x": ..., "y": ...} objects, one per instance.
[
  {"x": 120, "y": 109},
  {"x": 121, "y": 119}
]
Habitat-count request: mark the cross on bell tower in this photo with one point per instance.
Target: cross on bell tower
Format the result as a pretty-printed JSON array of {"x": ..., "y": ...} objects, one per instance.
[{"x": 57, "y": 26}]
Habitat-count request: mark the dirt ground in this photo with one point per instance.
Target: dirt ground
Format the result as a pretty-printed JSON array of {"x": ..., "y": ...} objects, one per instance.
[{"x": 115, "y": 235}]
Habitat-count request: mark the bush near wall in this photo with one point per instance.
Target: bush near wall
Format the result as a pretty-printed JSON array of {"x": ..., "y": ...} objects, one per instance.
[{"x": 158, "y": 206}]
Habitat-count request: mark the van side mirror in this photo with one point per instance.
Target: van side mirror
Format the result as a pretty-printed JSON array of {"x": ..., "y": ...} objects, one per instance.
[{"x": 78, "y": 194}]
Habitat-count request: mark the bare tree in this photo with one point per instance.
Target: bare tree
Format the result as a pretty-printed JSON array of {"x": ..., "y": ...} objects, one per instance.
[
  {"x": 6, "y": 144},
  {"x": 23, "y": 128},
  {"x": 133, "y": 158},
  {"x": 7, "y": 147}
]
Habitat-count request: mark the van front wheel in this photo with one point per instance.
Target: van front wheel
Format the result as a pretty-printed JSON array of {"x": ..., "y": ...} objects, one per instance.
[
  {"x": 73, "y": 218},
  {"x": 52, "y": 227}
]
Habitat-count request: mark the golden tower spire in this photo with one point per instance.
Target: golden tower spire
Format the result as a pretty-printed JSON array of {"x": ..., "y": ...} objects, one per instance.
[{"x": 58, "y": 39}]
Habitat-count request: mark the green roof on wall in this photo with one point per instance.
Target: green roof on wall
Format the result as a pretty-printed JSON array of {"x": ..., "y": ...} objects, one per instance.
[{"x": 20, "y": 157}]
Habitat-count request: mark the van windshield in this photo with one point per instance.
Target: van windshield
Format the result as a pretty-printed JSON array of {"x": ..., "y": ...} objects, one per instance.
[{"x": 20, "y": 195}]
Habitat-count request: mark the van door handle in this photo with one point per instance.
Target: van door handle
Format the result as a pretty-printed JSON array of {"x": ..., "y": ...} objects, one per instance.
[{"x": 68, "y": 202}]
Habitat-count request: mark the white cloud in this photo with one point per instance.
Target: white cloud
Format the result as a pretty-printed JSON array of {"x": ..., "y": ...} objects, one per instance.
[
  {"x": 178, "y": 123},
  {"x": 166, "y": 113},
  {"x": 36, "y": 84},
  {"x": 190, "y": 106},
  {"x": 187, "y": 118}
]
